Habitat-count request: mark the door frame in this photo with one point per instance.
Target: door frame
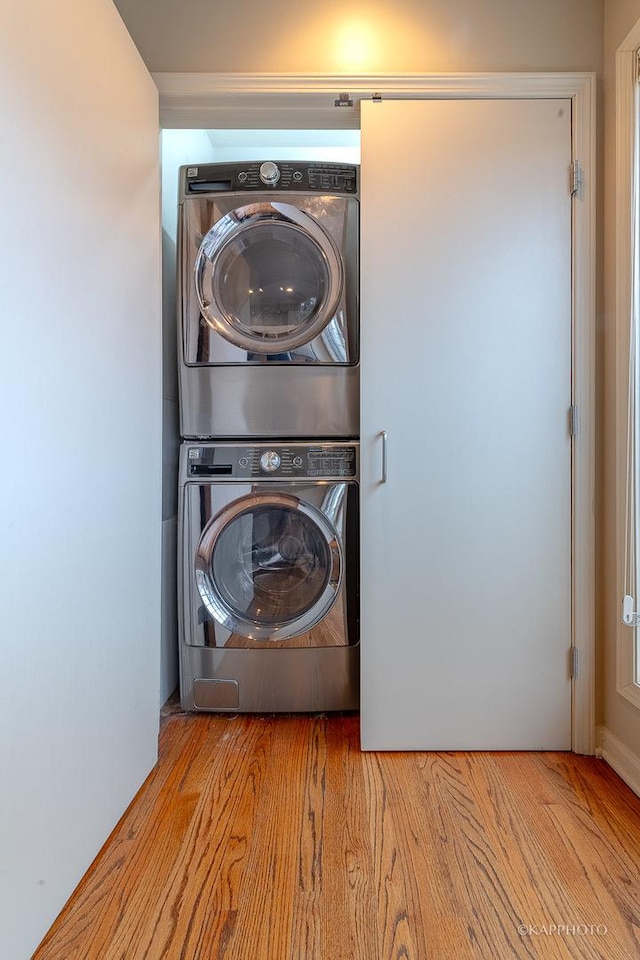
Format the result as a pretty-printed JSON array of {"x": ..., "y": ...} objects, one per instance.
[{"x": 299, "y": 101}]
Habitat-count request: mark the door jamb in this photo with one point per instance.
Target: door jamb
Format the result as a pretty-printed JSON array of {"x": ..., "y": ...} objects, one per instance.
[{"x": 280, "y": 101}]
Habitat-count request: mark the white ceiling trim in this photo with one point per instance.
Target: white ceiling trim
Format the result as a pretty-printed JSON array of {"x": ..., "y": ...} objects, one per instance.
[{"x": 297, "y": 101}]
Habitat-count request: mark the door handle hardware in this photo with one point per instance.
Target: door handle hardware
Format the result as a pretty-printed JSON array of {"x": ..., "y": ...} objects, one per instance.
[{"x": 384, "y": 435}]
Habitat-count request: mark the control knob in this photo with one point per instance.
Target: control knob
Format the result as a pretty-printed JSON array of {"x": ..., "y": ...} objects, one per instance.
[
  {"x": 269, "y": 173},
  {"x": 270, "y": 461}
]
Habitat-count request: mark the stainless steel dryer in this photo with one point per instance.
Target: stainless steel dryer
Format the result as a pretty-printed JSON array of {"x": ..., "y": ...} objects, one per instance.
[
  {"x": 268, "y": 300},
  {"x": 268, "y": 564}
]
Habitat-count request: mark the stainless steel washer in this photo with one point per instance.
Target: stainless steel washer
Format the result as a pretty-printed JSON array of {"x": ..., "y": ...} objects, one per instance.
[
  {"x": 268, "y": 576},
  {"x": 268, "y": 300}
]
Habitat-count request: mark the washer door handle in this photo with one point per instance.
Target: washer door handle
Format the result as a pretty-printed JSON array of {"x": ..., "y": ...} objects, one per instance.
[{"x": 384, "y": 435}]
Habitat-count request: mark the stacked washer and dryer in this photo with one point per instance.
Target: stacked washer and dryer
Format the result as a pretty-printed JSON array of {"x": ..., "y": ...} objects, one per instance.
[{"x": 268, "y": 563}]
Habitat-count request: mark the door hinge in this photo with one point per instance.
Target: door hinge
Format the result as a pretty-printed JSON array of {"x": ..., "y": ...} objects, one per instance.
[
  {"x": 575, "y": 178},
  {"x": 573, "y": 662},
  {"x": 573, "y": 420}
]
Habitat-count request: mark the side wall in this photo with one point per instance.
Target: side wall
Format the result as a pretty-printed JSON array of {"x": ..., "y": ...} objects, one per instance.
[
  {"x": 192, "y": 146},
  {"x": 621, "y": 719},
  {"x": 80, "y": 406}
]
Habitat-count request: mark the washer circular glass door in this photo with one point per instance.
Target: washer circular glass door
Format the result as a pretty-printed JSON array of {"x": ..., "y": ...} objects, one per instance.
[
  {"x": 268, "y": 278},
  {"x": 269, "y": 566}
]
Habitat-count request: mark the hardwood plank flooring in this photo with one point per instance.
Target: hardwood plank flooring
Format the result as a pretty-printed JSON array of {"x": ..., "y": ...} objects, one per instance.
[{"x": 275, "y": 838}]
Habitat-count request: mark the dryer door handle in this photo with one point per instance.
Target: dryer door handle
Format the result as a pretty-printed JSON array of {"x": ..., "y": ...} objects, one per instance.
[{"x": 384, "y": 435}]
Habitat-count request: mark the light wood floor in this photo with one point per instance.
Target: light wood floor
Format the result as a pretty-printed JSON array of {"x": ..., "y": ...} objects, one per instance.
[{"x": 275, "y": 838}]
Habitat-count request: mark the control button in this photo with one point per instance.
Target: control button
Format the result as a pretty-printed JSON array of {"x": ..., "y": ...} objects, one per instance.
[
  {"x": 269, "y": 173},
  {"x": 242, "y": 177},
  {"x": 244, "y": 461},
  {"x": 297, "y": 461},
  {"x": 297, "y": 176},
  {"x": 270, "y": 461}
]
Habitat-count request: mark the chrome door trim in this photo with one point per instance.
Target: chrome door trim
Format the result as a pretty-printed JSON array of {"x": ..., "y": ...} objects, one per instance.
[
  {"x": 242, "y": 220},
  {"x": 222, "y": 612}
]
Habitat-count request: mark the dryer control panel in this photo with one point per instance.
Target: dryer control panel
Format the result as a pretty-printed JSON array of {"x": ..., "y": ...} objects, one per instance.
[
  {"x": 271, "y": 461},
  {"x": 304, "y": 176}
]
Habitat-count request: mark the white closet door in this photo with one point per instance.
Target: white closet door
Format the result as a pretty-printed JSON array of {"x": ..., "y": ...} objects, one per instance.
[{"x": 466, "y": 364}]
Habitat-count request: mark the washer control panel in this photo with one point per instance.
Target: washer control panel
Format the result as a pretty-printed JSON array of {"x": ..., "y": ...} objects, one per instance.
[
  {"x": 229, "y": 461},
  {"x": 304, "y": 176}
]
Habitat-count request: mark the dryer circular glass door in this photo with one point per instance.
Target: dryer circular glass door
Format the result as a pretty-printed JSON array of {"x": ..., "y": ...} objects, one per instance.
[
  {"x": 268, "y": 278},
  {"x": 269, "y": 566}
]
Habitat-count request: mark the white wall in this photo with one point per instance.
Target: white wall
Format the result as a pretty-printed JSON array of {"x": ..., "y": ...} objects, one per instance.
[
  {"x": 406, "y": 36},
  {"x": 80, "y": 407}
]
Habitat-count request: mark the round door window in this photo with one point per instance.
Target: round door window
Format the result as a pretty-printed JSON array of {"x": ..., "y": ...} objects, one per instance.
[
  {"x": 268, "y": 567},
  {"x": 268, "y": 278}
]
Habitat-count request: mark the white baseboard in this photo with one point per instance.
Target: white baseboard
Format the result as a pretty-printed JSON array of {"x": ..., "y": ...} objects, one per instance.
[{"x": 624, "y": 761}]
